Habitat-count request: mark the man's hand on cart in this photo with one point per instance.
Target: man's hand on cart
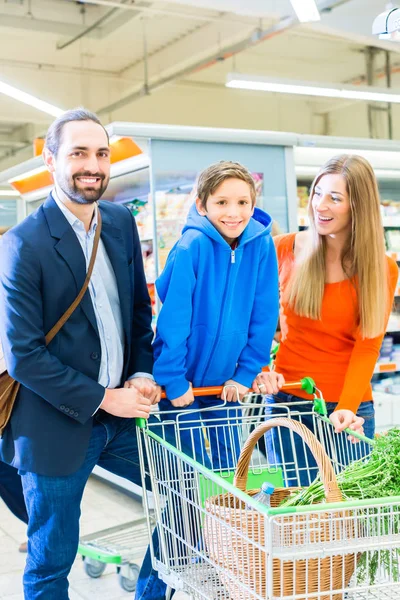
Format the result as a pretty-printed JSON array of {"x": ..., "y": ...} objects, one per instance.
[
  {"x": 147, "y": 387},
  {"x": 126, "y": 402},
  {"x": 342, "y": 419},
  {"x": 268, "y": 382},
  {"x": 233, "y": 391},
  {"x": 185, "y": 400}
]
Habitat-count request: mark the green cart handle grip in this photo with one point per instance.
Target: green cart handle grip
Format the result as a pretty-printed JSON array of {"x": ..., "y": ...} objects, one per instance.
[
  {"x": 141, "y": 423},
  {"x": 307, "y": 384}
]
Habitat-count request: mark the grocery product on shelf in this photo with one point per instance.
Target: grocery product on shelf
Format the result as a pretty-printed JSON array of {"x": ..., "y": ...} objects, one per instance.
[{"x": 172, "y": 208}]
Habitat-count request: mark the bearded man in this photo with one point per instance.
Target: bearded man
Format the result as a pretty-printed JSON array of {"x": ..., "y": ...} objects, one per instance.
[{"x": 79, "y": 394}]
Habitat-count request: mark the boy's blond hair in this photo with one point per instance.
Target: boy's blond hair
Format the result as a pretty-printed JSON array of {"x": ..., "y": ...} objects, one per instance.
[{"x": 211, "y": 178}]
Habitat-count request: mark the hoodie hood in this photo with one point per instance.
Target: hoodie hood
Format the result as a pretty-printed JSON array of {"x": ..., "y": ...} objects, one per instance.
[{"x": 259, "y": 225}]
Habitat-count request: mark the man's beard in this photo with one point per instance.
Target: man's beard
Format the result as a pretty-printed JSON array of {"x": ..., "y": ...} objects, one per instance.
[{"x": 84, "y": 196}]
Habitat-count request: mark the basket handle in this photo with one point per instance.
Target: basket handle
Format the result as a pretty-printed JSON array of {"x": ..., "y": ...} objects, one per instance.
[{"x": 328, "y": 477}]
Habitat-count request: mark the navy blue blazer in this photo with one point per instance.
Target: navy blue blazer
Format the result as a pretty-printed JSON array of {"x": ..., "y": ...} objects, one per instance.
[{"x": 42, "y": 269}]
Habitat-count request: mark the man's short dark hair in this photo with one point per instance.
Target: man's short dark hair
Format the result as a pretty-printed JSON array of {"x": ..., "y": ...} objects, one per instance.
[{"x": 54, "y": 133}]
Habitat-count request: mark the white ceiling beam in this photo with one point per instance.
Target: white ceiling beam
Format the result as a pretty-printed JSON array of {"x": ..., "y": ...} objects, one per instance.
[
  {"x": 147, "y": 10},
  {"x": 353, "y": 37},
  {"x": 54, "y": 69},
  {"x": 42, "y": 25},
  {"x": 104, "y": 25},
  {"x": 13, "y": 119}
]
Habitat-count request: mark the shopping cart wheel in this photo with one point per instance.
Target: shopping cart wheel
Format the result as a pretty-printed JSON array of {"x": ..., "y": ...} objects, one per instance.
[
  {"x": 128, "y": 577},
  {"x": 93, "y": 568}
]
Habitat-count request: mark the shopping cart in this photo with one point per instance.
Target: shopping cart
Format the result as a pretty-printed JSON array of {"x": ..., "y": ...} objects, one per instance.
[
  {"x": 123, "y": 546},
  {"x": 217, "y": 542}
]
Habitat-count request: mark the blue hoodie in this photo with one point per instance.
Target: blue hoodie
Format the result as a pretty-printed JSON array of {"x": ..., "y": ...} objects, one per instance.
[{"x": 220, "y": 306}]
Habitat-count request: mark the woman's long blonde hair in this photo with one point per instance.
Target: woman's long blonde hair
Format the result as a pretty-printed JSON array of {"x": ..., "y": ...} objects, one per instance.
[{"x": 363, "y": 257}]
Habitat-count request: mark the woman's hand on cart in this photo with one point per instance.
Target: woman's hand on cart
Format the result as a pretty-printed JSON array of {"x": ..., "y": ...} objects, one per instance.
[
  {"x": 342, "y": 419},
  {"x": 233, "y": 391},
  {"x": 147, "y": 387},
  {"x": 185, "y": 400},
  {"x": 268, "y": 382}
]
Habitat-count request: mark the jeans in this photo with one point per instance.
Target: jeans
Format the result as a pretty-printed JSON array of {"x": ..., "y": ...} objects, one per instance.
[
  {"x": 287, "y": 450},
  {"x": 53, "y": 505},
  {"x": 224, "y": 451},
  {"x": 11, "y": 491}
]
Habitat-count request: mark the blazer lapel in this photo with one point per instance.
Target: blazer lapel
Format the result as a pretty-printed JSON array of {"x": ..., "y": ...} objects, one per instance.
[
  {"x": 115, "y": 248},
  {"x": 69, "y": 248}
]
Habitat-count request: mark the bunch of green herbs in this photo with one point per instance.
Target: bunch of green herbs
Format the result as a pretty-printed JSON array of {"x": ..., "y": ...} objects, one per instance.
[{"x": 376, "y": 476}]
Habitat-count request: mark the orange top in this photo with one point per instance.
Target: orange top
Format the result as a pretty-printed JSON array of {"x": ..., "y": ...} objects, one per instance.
[{"x": 330, "y": 350}]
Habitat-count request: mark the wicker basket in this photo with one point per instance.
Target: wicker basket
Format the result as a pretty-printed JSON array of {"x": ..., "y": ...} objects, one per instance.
[{"x": 238, "y": 541}]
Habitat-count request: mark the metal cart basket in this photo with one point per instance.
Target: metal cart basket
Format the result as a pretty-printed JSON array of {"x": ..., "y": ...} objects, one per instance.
[
  {"x": 217, "y": 542},
  {"x": 122, "y": 546}
]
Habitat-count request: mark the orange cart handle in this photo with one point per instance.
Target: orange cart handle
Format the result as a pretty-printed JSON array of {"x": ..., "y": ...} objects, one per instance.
[
  {"x": 204, "y": 391},
  {"x": 306, "y": 384}
]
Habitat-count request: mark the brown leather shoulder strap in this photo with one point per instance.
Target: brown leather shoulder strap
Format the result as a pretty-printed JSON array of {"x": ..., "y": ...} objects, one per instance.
[{"x": 53, "y": 332}]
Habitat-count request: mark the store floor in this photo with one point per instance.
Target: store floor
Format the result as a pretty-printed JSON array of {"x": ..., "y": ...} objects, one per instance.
[{"x": 102, "y": 507}]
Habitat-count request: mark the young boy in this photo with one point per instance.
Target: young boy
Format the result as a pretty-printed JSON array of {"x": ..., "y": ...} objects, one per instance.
[{"x": 219, "y": 290}]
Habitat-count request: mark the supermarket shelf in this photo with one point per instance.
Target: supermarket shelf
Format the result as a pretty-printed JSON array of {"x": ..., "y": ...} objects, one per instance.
[
  {"x": 387, "y": 410},
  {"x": 392, "y": 221},
  {"x": 393, "y": 324}
]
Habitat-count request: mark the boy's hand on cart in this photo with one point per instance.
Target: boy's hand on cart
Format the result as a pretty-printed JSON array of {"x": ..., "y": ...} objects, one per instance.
[
  {"x": 126, "y": 402},
  {"x": 268, "y": 382},
  {"x": 147, "y": 387},
  {"x": 343, "y": 419},
  {"x": 233, "y": 391},
  {"x": 185, "y": 400}
]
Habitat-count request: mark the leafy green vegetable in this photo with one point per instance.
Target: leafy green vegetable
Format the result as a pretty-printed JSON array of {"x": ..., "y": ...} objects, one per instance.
[{"x": 376, "y": 476}]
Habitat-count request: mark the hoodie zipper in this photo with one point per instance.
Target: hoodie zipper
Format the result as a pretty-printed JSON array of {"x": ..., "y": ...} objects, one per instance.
[{"x": 220, "y": 319}]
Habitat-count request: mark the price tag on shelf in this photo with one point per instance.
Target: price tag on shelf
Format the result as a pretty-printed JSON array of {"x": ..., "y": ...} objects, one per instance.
[{"x": 386, "y": 367}]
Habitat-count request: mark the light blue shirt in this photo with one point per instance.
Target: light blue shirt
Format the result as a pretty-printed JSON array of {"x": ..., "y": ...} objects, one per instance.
[{"x": 105, "y": 299}]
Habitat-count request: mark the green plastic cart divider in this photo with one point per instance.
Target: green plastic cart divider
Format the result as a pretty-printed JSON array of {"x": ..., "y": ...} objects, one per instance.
[
  {"x": 254, "y": 481},
  {"x": 97, "y": 554}
]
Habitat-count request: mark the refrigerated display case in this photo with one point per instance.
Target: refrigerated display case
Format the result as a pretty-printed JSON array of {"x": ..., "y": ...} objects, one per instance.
[
  {"x": 10, "y": 210},
  {"x": 154, "y": 172}
]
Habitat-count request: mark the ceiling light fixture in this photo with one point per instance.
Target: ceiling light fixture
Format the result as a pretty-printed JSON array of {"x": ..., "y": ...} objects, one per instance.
[
  {"x": 33, "y": 101},
  {"x": 310, "y": 88},
  {"x": 306, "y": 10},
  {"x": 387, "y": 24}
]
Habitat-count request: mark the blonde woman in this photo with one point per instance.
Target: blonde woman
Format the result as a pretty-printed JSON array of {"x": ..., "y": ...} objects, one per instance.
[{"x": 337, "y": 288}]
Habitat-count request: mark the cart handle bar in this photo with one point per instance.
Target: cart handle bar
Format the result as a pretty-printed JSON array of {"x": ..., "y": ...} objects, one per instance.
[{"x": 307, "y": 384}]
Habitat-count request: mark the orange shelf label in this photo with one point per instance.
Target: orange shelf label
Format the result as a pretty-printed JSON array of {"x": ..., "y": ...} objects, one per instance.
[{"x": 385, "y": 368}]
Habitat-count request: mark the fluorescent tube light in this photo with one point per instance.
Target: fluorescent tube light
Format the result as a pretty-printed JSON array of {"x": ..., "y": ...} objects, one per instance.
[
  {"x": 26, "y": 98},
  {"x": 310, "y": 88},
  {"x": 306, "y": 10}
]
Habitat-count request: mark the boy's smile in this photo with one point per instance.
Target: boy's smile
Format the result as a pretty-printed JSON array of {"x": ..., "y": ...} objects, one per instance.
[{"x": 229, "y": 208}]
